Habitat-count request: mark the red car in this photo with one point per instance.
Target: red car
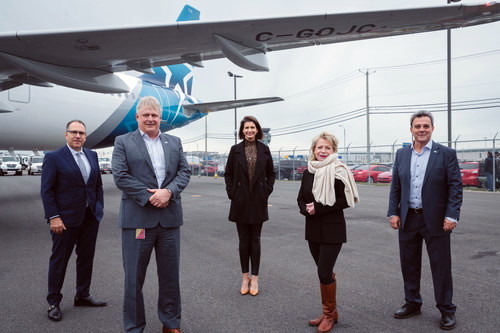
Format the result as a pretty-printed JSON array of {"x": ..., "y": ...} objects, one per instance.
[
  {"x": 361, "y": 173},
  {"x": 470, "y": 173},
  {"x": 385, "y": 177}
]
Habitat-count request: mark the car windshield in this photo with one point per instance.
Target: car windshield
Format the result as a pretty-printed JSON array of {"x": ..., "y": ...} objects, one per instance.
[
  {"x": 37, "y": 160},
  {"x": 469, "y": 166},
  {"x": 10, "y": 159},
  {"x": 103, "y": 159},
  {"x": 362, "y": 167}
]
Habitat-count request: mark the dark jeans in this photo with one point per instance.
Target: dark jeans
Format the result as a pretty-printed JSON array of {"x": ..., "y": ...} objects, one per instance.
[
  {"x": 325, "y": 255},
  {"x": 439, "y": 251},
  {"x": 249, "y": 246},
  {"x": 84, "y": 238}
]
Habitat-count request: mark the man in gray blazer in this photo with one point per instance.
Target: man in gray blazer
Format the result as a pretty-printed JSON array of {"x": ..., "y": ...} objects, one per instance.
[{"x": 152, "y": 171}]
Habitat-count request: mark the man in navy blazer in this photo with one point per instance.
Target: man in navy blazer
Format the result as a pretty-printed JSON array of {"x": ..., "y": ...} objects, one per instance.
[
  {"x": 71, "y": 190},
  {"x": 152, "y": 171},
  {"x": 424, "y": 204}
]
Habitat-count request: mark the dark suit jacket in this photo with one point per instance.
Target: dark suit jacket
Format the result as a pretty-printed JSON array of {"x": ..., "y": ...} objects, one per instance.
[
  {"x": 441, "y": 190},
  {"x": 327, "y": 225},
  {"x": 249, "y": 201},
  {"x": 133, "y": 173},
  {"x": 64, "y": 191}
]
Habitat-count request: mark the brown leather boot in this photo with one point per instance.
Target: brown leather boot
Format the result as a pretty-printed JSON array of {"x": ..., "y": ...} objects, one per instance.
[
  {"x": 329, "y": 300},
  {"x": 317, "y": 321}
]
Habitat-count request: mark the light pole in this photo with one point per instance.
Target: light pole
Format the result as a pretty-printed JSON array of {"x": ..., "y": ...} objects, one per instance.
[
  {"x": 234, "y": 76},
  {"x": 344, "y": 138}
]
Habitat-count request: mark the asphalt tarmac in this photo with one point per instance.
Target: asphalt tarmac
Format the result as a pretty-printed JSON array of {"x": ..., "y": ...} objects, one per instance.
[{"x": 369, "y": 279}]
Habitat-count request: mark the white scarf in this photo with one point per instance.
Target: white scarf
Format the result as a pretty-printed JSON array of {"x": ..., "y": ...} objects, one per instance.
[{"x": 324, "y": 180}]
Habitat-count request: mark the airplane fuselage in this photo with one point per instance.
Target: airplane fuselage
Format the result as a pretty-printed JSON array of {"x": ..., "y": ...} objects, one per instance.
[{"x": 40, "y": 114}]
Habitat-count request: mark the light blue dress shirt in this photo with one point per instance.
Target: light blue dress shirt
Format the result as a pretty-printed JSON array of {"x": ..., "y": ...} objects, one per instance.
[
  {"x": 417, "y": 171},
  {"x": 418, "y": 167},
  {"x": 157, "y": 155},
  {"x": 84, "y": 158}
]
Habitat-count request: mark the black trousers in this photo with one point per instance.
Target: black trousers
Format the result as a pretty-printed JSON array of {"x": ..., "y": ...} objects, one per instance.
[
  {"x": 325, "y": 255},
  {"x": 249, "y": 246},
  {"x": 439, "y": 251},
  {"x": 84, "y": 238}
]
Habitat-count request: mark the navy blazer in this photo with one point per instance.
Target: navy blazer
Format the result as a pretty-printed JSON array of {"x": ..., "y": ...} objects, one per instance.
[
  {"x": 441, "y": 189},
  {"x": 64, "y": 191}
]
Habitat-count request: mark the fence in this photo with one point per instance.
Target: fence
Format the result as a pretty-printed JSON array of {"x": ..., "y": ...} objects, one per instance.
[{"x": 467, "y": 150}]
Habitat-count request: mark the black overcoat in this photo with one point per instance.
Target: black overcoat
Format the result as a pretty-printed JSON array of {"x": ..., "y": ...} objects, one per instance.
[
  {"x": 249, "y": 201},
  {"x": 328, "y": 224}
]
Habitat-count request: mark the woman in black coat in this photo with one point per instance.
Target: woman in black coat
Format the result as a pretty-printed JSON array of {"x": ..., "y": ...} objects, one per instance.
[
  {"x": 249, "y": 176},
  {"x": 327, "y": 188}
]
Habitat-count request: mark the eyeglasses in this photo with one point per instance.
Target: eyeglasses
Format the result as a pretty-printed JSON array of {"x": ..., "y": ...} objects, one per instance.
[{"x": 76, "y": 132}]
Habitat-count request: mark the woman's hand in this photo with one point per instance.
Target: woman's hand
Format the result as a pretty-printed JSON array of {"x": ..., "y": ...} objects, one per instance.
[{"x": 310, "y": 208}]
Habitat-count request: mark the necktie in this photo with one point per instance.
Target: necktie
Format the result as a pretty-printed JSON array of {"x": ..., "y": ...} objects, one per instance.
[{"x": 82, "y": 167}]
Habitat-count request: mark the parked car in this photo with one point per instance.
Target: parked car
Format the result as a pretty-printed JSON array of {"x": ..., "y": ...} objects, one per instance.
[
  {"x": 10, "y": 166},
  {"x": 209, "y": 168},
  {"x": 470, "y": 173},
  {"x": 194, "y": 164},
  {"x": 105, "y": 165},
  {"x": 361, "y": 174},
  {"x": 287, "y": 169},
  {"x": 35, "y": 164},
  {"x": 221, "y": 168},
  {"x": 354, "y": 167},
  {"x": 385, "y": 177}
]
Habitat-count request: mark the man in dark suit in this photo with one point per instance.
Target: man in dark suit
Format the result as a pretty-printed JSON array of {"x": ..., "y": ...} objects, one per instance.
[
  {"x": 152, "y": 171},
  {"x": 72, "y": 196},
  {"x": 424, "y": 204}
]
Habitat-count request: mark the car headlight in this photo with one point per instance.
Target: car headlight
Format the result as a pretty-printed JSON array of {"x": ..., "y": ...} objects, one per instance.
[
  {"x": 4, "y": 167},
  {"x": 34, "y": 168}
]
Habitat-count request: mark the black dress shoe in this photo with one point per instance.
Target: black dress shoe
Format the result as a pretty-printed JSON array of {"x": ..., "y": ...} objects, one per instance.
[
  {"x": 448, "y": 321},
  {"x": 88, "y": 301},
  {"x": 407, "y": 311},
  {"x": 54, "y": 313}
]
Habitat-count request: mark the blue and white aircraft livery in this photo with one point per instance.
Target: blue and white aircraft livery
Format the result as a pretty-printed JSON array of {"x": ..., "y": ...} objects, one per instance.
[{"x": 98, "y": 75}]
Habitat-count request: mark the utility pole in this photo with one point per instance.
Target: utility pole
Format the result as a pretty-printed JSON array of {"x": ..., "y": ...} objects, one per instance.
[
  {"x": 448, "y": 62},
  {"x": 367, "y": 72},
  {"x": 234, "y": 76}
]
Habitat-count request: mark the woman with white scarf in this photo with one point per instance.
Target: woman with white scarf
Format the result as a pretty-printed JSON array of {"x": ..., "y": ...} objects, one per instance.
[{"x": 327, "y": 188}]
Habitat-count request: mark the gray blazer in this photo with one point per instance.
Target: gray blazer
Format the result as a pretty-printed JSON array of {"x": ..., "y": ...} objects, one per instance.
[{"x": 133, "y": 174}]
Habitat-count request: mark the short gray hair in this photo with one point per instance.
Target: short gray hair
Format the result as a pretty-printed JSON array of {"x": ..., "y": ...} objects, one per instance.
[
  {"x": 75, "y": 121},
  {"x": 420, "y": 114},
  {"x": 148, "y": 101}
]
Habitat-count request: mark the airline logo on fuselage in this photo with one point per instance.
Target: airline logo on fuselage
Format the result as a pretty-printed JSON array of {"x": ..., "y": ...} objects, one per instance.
[{"x": 308, "y": 33}]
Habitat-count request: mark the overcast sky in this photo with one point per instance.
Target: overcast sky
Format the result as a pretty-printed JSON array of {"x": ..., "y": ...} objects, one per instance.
[{"x": 297, "y": 75}]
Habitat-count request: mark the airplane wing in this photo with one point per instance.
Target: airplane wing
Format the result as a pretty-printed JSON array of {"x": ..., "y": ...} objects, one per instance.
[
  {"x": 189, "y": 109},
  {"x": 87, "y": 58}
]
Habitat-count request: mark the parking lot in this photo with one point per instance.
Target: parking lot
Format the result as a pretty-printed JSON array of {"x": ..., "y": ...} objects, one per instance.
[{"x": 369, "y": 278}]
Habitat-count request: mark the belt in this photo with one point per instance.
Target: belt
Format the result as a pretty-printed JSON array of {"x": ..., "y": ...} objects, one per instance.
[{"x": 416, "y": 210}]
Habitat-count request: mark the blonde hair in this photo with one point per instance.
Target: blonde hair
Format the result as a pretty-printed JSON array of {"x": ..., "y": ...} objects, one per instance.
[
  {"x": 148, "y": 101},
  {"x": 326, "y": 136}
]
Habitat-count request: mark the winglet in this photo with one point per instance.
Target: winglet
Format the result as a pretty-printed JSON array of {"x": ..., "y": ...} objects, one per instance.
[{"x": 189, "y": 14}]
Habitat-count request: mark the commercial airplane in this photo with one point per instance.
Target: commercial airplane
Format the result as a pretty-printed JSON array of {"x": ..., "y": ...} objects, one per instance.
[{"x": 98, "y": 75}]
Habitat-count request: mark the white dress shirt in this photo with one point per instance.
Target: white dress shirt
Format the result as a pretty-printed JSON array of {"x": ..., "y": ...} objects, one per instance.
[{"x": 157, "y": 155}]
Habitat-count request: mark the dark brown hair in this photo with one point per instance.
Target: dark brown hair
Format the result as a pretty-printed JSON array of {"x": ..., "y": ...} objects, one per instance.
[{"x": 247, "y": 119}]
